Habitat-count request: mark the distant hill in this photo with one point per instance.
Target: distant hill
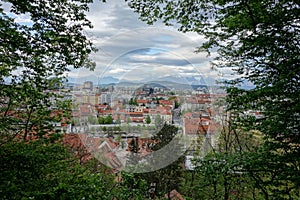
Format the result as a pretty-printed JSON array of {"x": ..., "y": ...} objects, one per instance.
[
  {"x": 96, "y": 80},
  {"x": 189, "y": 80},
  {"x": 80, "y": 80},
  {"x": 107, "y": 80},
  {"x": 170, "y": 85},
  {"x": 171, "y": 82}
]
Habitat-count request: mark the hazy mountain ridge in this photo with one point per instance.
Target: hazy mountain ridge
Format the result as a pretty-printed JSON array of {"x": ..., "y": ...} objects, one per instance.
[{"x": 171, "y": 82}]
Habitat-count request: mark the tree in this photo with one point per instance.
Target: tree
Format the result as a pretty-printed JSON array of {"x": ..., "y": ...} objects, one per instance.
[
  {"x": 108, "y": 119},
  {"x": 148, "y": 119},
  {"x": 133, "y": 158},
  {"x": 131, "y": 187},
  {"x": 101, "y": 120},
  {"x": 177, "y": 104},
  {"x": 133, "y": 101},
  {"x": 223, "y": 173},
  {"x": 43, "y": 170},
  {"x": 259, "y": 42},
  {"x": 171, "y": 176},
  {"x": 92, "y": 119},
  {"x": 34, "y": 57}
]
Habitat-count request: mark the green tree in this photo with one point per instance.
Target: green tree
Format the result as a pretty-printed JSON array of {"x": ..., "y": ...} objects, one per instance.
[
  {"x": 43, "y": 170},
  {"x": 171, "y": 176},
  {"x": 92, "y": 119},
  {"x": 101, "y": 120},
  {"x": 258, "y": 41},
  {"x": 131, "y": 187},
  {"x": 133, "y": 101},
  {"x": 223, "y": 173},
  {"x": 34, "y": 57},
  {"x": 177, "y": 104},
  {"x": 108, "y": 119},
  {"x": 134, "y": 157},
  {"x": 148, "y": 119}
]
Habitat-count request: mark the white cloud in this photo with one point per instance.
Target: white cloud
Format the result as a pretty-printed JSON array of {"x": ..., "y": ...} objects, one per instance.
[
  {"x": 130, "y": 49},
  {"x": 117, "y": 71},
  {"x": 143, "y": 57}
]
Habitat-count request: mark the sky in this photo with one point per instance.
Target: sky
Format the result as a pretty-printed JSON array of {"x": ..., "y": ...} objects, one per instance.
[{"x": 129, "y": 49}]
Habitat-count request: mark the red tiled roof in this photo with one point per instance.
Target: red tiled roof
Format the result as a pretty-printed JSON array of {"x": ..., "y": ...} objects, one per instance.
[
  {"x": 166, "y": 102},
  {"x": 174, "y": 195},
  {"x": 146, "y": 110},
  {"x": 85, "y": 109},
  {"x": 144, "y": 144},
  {"x": 140, "y": 101},
  {"x": 135, "y": 113},
  {"x": 86, "y": 147},
  {"x": 164, "y": 110},
  {"x": 137, "y": 119},
  {"x": 75, "y": 142}
]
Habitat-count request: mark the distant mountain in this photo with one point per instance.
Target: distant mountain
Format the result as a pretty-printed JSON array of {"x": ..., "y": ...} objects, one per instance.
[
  {"x": 210, "y": 81},
  {"x": 245, "y": 84},
  {"x": 128, "y": 84},
  {"x": 171, "y": 82},
  {"x": 170, "y": 85},
  {"x": 187, "y": 80},
  {"x": 106, "y": 80},
  {"x": 80, "y": 80},
  {"x": 198, "y": 80},
  {"x": 173, "y": 79},
  {"x": 197, "y": 87},
  {"x": 155, "y": 84}
]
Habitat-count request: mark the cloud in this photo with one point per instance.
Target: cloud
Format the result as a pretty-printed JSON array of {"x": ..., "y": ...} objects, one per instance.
[
  {"x": 117, "y": 71},
  {"x": 143, "y": 58},
  {"x": 131, "y": 49}
]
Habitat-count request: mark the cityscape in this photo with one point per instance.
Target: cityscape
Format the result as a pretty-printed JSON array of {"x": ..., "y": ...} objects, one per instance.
[{"x": 107, "y": 118}]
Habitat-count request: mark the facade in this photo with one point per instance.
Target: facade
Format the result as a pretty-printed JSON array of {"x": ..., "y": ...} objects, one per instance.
[{"x": 105, "y": 98}]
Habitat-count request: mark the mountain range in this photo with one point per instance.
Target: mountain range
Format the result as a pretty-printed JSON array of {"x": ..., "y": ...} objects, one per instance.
[{"x": 176, "y": 82}]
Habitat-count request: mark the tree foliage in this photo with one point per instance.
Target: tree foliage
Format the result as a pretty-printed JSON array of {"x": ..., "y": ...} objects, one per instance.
[
  {"x": 133, "y": 101},
  {"x": 43, "y": 170},
  {"x": 170, "y": 177},
  {"x": 34, "y": 56},
  {"x": 105, "y": 120},
  {"x": 148, "y": 119},
  {"x": 108, "y": 119}
]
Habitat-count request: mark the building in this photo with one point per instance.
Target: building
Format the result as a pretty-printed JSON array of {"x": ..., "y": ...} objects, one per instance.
[
  {"x": 88, "y": 85},
  {"x": 105, "y": 98}
]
